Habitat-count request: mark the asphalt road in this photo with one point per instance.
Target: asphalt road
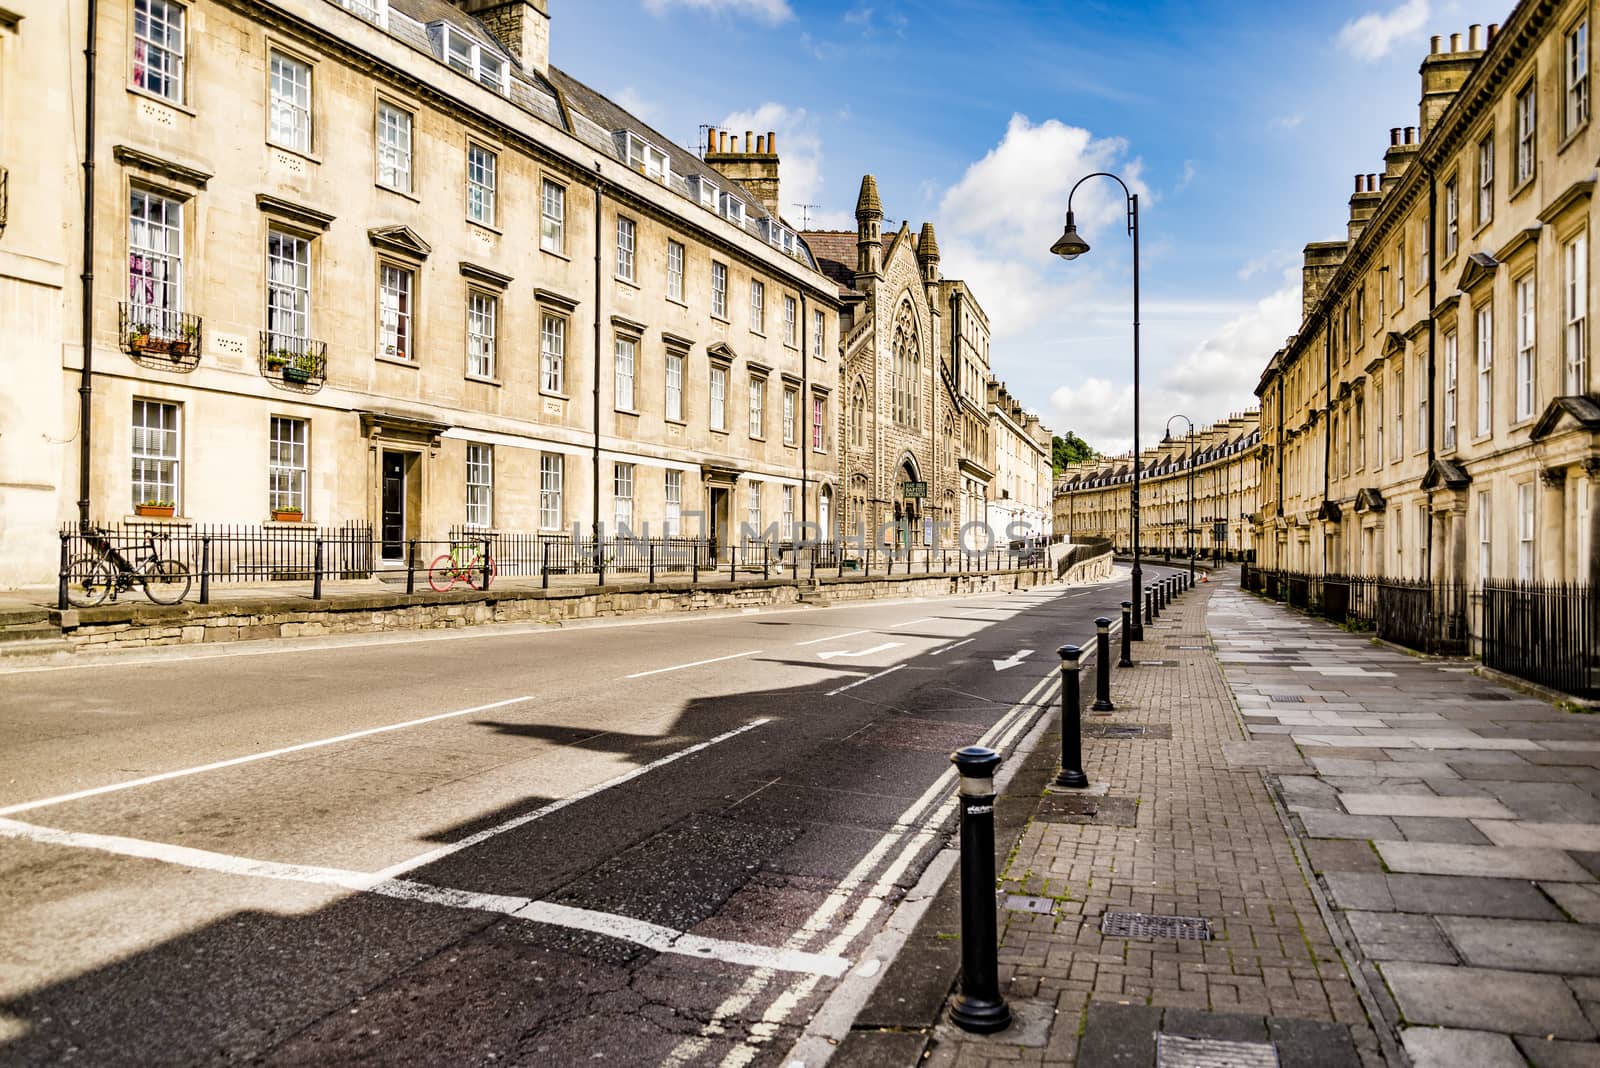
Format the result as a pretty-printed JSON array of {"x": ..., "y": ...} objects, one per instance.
[{"x": 645, "y": 843}]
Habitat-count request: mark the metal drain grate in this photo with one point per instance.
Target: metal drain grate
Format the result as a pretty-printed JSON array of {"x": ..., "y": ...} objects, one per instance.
[
  {"x": 1042, "y": 906},
  {"x": 1177, "y": 1051},
  {"x": 1288, "y": 699},
  {"x": 1126, "y": 730},
  {"x": 1140, "y": 925},
  {"x": 1158, "y": 663}
]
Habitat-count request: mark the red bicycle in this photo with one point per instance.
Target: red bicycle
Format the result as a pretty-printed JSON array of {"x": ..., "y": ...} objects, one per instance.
[{"x": 463, "y": 563}]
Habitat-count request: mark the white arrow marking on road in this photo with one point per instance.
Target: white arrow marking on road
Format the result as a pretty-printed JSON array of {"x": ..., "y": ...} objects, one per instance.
[
  {"x": 830, "y": 654},
  {"x": 1015, "y": 659}
]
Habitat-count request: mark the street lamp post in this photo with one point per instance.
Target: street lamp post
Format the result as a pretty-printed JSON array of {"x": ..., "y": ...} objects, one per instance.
[
  {"x": 1069, "y": 246},
  {"x": 1188, "y": 527}
]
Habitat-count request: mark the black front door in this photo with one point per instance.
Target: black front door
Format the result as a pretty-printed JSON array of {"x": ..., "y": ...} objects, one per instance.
[{"x": 393, "y": 524}]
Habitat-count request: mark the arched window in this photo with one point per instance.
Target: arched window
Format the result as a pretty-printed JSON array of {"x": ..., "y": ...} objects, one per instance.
[
  {"x": 906, "y": 370},
  {"x": 858, "y": 416}
]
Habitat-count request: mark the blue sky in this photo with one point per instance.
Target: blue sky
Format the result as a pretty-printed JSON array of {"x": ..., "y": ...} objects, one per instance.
[{"x": 1241, "y": 126}]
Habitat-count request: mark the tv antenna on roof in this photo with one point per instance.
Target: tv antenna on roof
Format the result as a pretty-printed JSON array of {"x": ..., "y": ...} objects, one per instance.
[{"x": 805, "y": 214}]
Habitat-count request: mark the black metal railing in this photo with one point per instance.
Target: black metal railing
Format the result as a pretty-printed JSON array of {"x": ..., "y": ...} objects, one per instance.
[
  {"x": 297, "y": 362},
  {"x": 1548, "y": 633},
  {"x": 159, "y": 337},
  {"x": 1430, "y": 617}
]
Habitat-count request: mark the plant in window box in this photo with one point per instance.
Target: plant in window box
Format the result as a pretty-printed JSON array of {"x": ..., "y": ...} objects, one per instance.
[
  {"x": 155, "y": 509},
  {"x": 301, "y": 368},
  {"x": 290, "y": 514},
  {"x": 187, "y": 341},
  {"x": 277, "y": 359},
  {"x": 138, "y": 337}
]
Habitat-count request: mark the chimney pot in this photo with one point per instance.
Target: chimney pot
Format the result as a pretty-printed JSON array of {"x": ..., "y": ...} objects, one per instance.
[
  {"x": 1435, "y": 44},
  {"x": 1372, "y": 183},
  {"x": 1494, "y": 31},
  {"x": 722, "y": 140},
  {"x": 1360, "y": 181},
  {"x": 1455, "y": 43},
  {"x": 772, "y": 142},
  {"x": 1411, "y": 135},
  {"x": 749, "y": 141},
  {"x": 1475, "y": 36},
  {"x": 1394, "y": 136},
  {"x": 761, "y": 142}
]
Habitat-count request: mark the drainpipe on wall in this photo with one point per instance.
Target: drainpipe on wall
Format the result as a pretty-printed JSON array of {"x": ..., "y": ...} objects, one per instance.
[
  {"x": 85, "y": 383},
  {"x": 595, "y": 510}
]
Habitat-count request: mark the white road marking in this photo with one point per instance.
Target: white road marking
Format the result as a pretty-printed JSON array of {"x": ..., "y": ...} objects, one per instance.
[
  {"x": 623, "y": 928},
  {"x": 1013, "y": 660},
  {"x": 834, "y": 637},
  {"x": 947, "y": 648},
  {"x": 914, "y": 622},
  {"x": 833, "y": 653},
  {"x": 869, "y": 678},
  {"x": 697, "y": 663},
  {"x": 395, "y": 870},
  {"x": 27, "y": 806}
]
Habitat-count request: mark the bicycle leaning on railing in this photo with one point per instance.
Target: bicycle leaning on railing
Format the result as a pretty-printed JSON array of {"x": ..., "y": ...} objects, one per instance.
[
  {"x": 109, "y": 569},
  {"x": 463, "y": 563}
]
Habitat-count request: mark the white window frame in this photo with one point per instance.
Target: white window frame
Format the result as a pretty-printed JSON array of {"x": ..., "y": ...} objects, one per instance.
[
  {"x": 719, "y": 290},
  {"x": 158, "y": 35},
  {"x": 553, "y": 217},
  {"x": 791, "y": 309},
  {"x": 396, "y": 301},
  {"x": 374, "y": 11},
  {"x": 1575, "y": 67},
  {"x": 1400, "y": 272},
  {"x": 719, "y": 397},
  {"x": 1575, "y": 308},
  {"x": 788, "y": 513},
  {"x": 483, "y": 311},
  {"x": 1486, "y": 178},
  {"x": 626, "y": 350},
  {"x": 758, "y": 407},
  {"x": 1452, "y": 218},
  {"x": 394, "y": 146},
  {"x": 672, "y": 498},
  {"x": 1527, "y": 335},
  {"x": 758, "y": 306},
  {"x": 753, "y": 515},
  {"x": 791, "y": 404},
  {"x": 157, "y": 452},
  {"x": 552, "y": 473},
  {"x": 733, "y": 209},
  {"x": 1527, "y": 532},
  {"x": 480, "y": 486},
  {"x": 646, "y": 158},
  {"x": 155, "y": 261},
  {"x": 482, "y": 166},
  {"x": 288, "y": 439},
  {"x": 1399, "y": 415},
  {"x": 289, "y": 111},
  {"x": 818, "y": 330},
  {"x": 1485, "y": 383},
  {"x": 467, "y": 56},
  {"x": 675, "y": 254},
  {"x": 819, "y": 423},
  {"x": 627, "y": 233},
  {"x": 674, "y": 386},
  {"x": 288, "y": 288},
  {"x": 622, "y": 497},
  {"x": 1485, "y": 535},
  {"x": 1527, "y": 130},
  {"x": 1451, "y": 368},
  {"x": 552, "y": 353}
]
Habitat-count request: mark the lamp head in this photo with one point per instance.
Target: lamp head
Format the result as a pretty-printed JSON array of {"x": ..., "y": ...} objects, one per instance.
[{"x": 1069, "y": 246}]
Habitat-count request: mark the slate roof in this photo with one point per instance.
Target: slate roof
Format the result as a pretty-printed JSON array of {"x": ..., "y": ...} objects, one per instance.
[{"x": 835, "y": 253}]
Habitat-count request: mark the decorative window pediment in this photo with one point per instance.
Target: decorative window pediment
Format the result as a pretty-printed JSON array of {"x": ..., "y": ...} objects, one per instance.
[
  {"x": 1480, "y": 267},
  {"x": 400, "y": 240},
  {"x": 1581, "y": 412}
]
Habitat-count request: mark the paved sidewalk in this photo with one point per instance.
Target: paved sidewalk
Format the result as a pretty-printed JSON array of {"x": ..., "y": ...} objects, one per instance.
[
  {"x": 1178, "y": 823},
  {"x": 1453, "y": 823}
]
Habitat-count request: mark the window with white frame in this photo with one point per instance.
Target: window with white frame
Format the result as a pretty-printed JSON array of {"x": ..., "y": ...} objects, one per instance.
[
  {"x": 155, "y": 452},
  {"x": 818, "y": 325},
  {"x": 482, "y": 311},
  {"x": 1377, "y": 423},
  {"x": 706, "y": 192},
  {"x": 1383, "y": 290},
  {"x": 1485, "y": 378},
  {"x": 553, "y": 217},
  {"x": 754, "y": 515},
  {"x": 481, "y": 164},
  {"x": 1525, "y": 532},
  {"x": 1361, "y": 432},
  {"x": 155, "y": 261},
  {"x": 1399, "y": 415},
  {"x": 290, "y": 112},
  {"x": 394, "y": 311},
  {"x": 719, "y": 398},
  {"x": 480, "y": 486},
  {"x": 758, "y": 306},
  {"x": 719, "y": 290},
  {"x": 158, "y": 48},
  {"x": 288, "y": 289},
  {"x": 622, "y": 497},
  {"x": 675, "y": 386},
  {"x": 286, "y": 465},
  {"x": 371, "y": 10},
  {"x": 1576, "y": 67},
  {"x": 1525, "y": 339},
  {"x": 674, "y": 271},
  {"x": 394, "y": 147},
  {"x": 1400, "y": 274},
  {"x": 647, "y": 159},
  {"x": 819, "y": 414},
  {"x": 625, "y": 235},
  {"x": 791, "y": 401},
  {"x": 790, "y": 334},
  {"x": 758, "y": 414},
  {"x": 465, "y": 55},
  {"x": 552, "y": 353},
  {"x": 1486, "y": 178},
  {"x": 1525, "y": 134},
  {"x": 552, "y": 467},
  {"x": 1423, "y": 266},
  {"x": 1485, "y": 536},
  {"x": 1450, "y": 368},
  {"x": 733, "y": 209},
  {"x": 673, "y": 520},
  {"x": 625, "y": 350},
  {"x": 788, "y": 513},
  {"x": 1575, "y": 256},
  {"x": 1422, "y": 539},
  {"x": 1585, "y": 523},
  {"x": 1452, "y": 218}
]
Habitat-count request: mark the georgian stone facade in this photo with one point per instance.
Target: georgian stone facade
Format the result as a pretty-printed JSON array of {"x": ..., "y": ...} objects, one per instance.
[
  {"x": 1019, "y": 500},
  {"x": 378, "y": 260},
  {"x": 1437, "y": 415}
]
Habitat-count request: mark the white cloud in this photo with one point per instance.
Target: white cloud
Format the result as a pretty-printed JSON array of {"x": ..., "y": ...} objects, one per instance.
[
  {"x": 1188, "y": 174},
  {"x": 773, "y": 11},
  {"x": 799, "y": 163},
  {"x": 636, "y": 103},
  {"x": 860, "y": 16},
  {"x": 1371, "y": 36},
  {"x": 1285, "y": 122}
]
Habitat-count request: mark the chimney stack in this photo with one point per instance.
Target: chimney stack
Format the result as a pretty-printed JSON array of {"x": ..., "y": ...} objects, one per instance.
[
  {"x": 1443, "y": 74},
  {"x": 755, "y": 167},
  {"x": 1475, "y": 37},
  {"x": 523, "y": 26}
]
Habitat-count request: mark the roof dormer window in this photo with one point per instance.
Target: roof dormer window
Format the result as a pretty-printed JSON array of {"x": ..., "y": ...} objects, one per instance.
[
  {"x": 466, "y": 56},
  {"x": 647, "y": 159},
  {"x": 371, "y": 10},
  {"x": 704, "y": 191},
  {"x": 733, "y": 209}
]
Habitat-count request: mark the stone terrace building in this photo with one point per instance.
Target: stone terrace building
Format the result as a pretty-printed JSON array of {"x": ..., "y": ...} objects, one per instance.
[
  {"x": 1019, "y": 499},
  {"x": 378, "y": 260},
  {"x": 1436, "y": 416},
  {"x": 914, "y": 421},
  {"x": 1092, "y": 498}
]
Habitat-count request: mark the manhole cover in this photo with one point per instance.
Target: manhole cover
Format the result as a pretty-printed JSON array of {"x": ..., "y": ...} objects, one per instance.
[
  {"x": 1077, "y": 808},
  {"x": 1140, "y": 925},
  {"x": 1024, "y": 903},
  {"x": 1176, "y": 1051},
  {"x": 1126, "y": 730},
  {"x": 1288, "y": 699}
]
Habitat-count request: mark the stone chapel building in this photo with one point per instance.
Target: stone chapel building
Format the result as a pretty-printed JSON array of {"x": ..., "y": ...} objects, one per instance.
[{"x": 915, "y": 446}]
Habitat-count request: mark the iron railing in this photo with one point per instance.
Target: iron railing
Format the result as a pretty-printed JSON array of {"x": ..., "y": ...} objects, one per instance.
[
  {"x": 1548, "y": 633},
  {"x": 160, "y": 336},
  {"x": 296, "y": 362}
]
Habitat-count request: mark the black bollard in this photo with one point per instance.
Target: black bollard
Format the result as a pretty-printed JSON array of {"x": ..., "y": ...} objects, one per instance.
[
  {"x": 979, "y": 1007},
  {"x": 1127, "y": 635},
  {"x": 1071, "y": 728},
  {"x": 1102, "y": 667},
  {"x": 1152, "y": 603}
]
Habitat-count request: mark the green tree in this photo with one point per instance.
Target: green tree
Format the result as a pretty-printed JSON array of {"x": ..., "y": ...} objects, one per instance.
[{"x": 1069, "y": 450}]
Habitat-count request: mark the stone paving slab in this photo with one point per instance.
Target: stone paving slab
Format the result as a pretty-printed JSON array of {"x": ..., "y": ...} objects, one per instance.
[
  {"x": 1506, "y": 1001},
  {"x": 1436, "y": 858},
  {"x": 1411, "y": 805},
  {"x": 1560, "y": 948},
  {"x": 1446, "y": 1047},
  {"x": 1584, "y": 836}
]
